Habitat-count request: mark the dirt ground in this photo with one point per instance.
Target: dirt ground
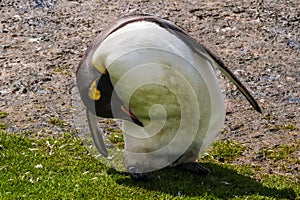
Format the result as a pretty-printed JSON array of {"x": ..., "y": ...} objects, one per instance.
[{"x": 42, "y": 42}]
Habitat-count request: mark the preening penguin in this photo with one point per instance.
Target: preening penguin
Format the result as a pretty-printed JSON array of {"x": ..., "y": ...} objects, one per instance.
[{"x": 161, "y": 82}]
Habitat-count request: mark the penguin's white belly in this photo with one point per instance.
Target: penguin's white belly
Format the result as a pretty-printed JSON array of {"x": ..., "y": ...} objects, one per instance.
[{"x": 170, "y": 89}]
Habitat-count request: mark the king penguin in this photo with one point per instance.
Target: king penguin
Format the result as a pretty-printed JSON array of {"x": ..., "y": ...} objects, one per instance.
[{"x": 161, "y": 82}]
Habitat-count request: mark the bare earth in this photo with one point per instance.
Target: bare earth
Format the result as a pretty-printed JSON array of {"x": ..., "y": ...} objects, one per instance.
[{"x": 42, "y": 42}]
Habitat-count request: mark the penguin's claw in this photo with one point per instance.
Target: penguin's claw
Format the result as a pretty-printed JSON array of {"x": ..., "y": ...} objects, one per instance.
[
  {"x": 139, "y": 176},
  {"x": 194, "y": 168}
]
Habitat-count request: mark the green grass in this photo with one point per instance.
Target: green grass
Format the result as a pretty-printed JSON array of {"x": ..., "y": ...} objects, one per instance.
[
  {"x": 61, "y": 168},
  {"x": 117, "y": 139},
  {"x": 222, "y": 151},
  {"x": 290, "y": 127},
  {"x": 3, "y": 114},
  {"x": 283, "y": 152},
  {"x": 56, "y": 122},
  {"x": 284, "y": 127},
  {"x": 3, "y": 126}
]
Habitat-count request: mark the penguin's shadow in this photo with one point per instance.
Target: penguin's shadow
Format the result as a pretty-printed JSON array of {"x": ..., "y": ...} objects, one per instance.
[{"x": 222, "y": 183}]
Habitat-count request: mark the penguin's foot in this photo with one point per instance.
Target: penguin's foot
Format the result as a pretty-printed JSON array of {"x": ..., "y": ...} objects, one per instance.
[
  {"x": 138, "y": 176},
  {"x": 135, "y": 176},
  {"x": 194, "y": 168}
]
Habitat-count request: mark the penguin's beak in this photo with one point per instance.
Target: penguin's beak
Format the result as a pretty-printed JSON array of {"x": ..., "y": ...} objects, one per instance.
[{"x": 128, "y": 113}]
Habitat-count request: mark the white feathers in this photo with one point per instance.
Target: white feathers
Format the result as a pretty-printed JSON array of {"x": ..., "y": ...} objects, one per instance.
[{"x": 148, "y": 65}]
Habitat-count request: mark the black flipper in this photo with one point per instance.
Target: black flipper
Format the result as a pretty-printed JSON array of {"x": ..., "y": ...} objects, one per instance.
[{"x": 96, "y": 133}]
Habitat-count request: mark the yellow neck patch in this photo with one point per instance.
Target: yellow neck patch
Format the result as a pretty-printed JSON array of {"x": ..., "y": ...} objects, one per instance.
[{"x": 94, "y": 93}]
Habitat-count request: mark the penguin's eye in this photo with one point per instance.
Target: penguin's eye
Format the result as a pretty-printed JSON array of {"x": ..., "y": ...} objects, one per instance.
[{"x": 94, "y": 93}]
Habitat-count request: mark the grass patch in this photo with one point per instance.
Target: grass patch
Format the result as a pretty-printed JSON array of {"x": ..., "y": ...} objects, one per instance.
[
  {"x": 3, "y": 126},
  {"x": 289, "y": 127},
  {"x": 63, "y": 70},
  {"x": 283, "y": 152},
  {"x": 57, "y": 122},
  {"x": 222, "y": 151},
  {"x": 3, "y": 114},
  {"x": 63, "y": 169},
  {"x": 284, "y": 127},
  {"x": 117, "y": 139}
]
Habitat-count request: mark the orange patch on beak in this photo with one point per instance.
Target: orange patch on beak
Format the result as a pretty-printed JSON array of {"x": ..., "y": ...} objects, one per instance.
[
  {"x": 127, "y": 112},
  {"x": 131, "y": 115}
]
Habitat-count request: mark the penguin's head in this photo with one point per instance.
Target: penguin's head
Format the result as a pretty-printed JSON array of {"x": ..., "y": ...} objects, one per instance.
[{"x": 97, "y": 93}]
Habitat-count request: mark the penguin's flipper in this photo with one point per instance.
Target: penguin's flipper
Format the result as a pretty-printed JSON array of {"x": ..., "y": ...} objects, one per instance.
[
  {"x": 201, "y": 51},
  {"x": 220, "y": 65},
  {"x": 96, "y": 133}
]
